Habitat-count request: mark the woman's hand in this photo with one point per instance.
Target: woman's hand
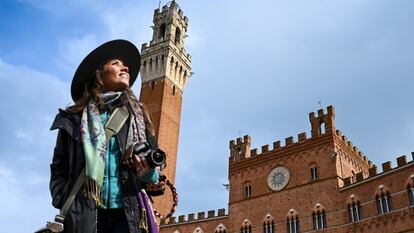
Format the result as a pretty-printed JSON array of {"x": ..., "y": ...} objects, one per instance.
[{"x": 139, "y": 163}]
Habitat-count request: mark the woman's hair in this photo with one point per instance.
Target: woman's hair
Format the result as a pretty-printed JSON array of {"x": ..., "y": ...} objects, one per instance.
[{"x": 93, "y": 90}]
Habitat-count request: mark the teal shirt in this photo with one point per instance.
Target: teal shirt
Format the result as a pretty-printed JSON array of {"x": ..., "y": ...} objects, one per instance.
[{"x": 111, "y": 188}]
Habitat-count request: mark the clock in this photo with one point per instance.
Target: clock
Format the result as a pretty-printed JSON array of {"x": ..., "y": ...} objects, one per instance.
[{"x": 278, "y": 178}]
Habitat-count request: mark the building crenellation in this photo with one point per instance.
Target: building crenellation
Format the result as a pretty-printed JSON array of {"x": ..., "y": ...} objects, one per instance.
[
  {"x": 201, "y": 216},
  {"x": 373, "y": 173},
  {"x": 351, "y": 146},
  {"x": 240, "y": 148}
]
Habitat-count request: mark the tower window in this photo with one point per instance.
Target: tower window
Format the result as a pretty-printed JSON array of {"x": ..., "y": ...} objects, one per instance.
[
  {"x": 410, "y": 191},
  {"x": 319, "y": 220},
  {"x": 354, "y": 211},
  {"x": 384, "y": 203},
  {"x": 314, "y": 173},
  {"x": 293, "y": 224},
  {"x": 322, "y": 128},
  {"x": 247, "y": 191},
  {"x": 161, "y": 32},
  {"x": 177, "y": 35},
  {"x": 173, "y": 90},
  {"x": 353, "y": 177}
]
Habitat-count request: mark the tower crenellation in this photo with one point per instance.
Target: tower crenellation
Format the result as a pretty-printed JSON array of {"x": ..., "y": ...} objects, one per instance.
[
  {"x": 165, "y": 56},
  {"x": 240, "y": 148},
  {"x": 322, "y": 122}
]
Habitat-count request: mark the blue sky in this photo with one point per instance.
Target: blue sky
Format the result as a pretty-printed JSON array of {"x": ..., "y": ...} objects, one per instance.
[{"x": 260, "y": 68}]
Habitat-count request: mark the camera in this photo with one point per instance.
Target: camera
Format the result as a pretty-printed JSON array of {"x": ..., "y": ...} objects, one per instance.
[{"x": 154, "y": 157}]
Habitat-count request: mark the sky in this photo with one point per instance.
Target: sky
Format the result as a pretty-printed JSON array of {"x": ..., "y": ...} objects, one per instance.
[{"x": 259, "y": 68}]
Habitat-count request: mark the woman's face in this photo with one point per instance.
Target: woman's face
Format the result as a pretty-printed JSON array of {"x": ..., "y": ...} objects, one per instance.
[{"x": 115, "y": 76}]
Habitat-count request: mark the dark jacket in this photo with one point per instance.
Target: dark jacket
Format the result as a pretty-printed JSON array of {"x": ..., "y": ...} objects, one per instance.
[{"x": 68, "y": 162}]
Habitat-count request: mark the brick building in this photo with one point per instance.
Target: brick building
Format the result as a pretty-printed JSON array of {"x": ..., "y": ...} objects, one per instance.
[{"x": 322, "y": 183}]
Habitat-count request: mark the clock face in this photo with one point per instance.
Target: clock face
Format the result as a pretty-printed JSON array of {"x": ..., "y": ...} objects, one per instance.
[{"x": 278, "y": 178}]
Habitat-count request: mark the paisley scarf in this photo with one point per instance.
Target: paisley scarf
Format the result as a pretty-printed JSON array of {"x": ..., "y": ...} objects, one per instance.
[{"x": 94, "y": 139}]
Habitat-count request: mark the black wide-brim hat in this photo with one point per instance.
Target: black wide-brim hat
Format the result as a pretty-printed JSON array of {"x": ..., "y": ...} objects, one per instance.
[{"x": 121, "y": 49}]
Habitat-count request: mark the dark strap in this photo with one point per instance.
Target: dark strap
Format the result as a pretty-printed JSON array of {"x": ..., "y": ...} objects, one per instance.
[{"x": 112, "y": 127}]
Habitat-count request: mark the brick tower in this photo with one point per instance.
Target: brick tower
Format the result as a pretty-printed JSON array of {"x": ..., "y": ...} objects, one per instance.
[{"x": 165, "y": 69}]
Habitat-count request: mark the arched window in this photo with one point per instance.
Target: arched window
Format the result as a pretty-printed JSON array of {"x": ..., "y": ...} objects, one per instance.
[
  {"x": 247, "y": 191},
  {"x": 220, "y": 229},
  {"x": 268, "y": 224},
  {"x": 354, "y": 211},
  {"x": 319, "y": 217},
  {"x": 410, "y": 190},
  {"x": 384, "y": 201},
  {"x": 246, "y": 227},
  {"x": 161, "y": 32},
  {"x": 314, "y": 172},
  {"x": 293, "y": 222},
  {"x": 177, "y": 35}
]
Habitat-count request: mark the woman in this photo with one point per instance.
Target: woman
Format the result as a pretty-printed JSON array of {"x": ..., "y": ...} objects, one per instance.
[{"x": 111, "y": 199}]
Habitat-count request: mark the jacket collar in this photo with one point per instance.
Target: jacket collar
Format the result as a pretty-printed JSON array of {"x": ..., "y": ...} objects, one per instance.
[{"x": 68, "y": 121}]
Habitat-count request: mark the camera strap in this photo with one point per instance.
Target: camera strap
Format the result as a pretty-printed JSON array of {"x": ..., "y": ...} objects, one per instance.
[{"x": 112, "y": 127}]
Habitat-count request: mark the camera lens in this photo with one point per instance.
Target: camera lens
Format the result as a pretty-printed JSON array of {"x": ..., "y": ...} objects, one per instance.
[{"x": 158, "y": 157}]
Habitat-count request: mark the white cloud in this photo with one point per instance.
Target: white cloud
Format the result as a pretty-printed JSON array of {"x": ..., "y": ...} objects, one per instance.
[
  {"x": 73, "y": 50},
  {"x": 26, "y": 145},
  {"x": 25, "y": 199}
]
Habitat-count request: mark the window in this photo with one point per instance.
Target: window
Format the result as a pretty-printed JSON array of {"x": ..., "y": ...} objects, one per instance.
[
  {"x": 314, "y": 173},
  {"x": 246, "y": 229},
  {"x": 220, "y": 229},
  {"x": 384, "y": 203},
  {"x": 410, "y": 191},
  {"x": 161, "y": 33},
  {"x": 293, "y": 224},
  {"x": 177, "y": 35},
  {"x": 354, "y": 211},
  {"x": 353, "y": 177},
  {"x": 247, "y": 191},
  {"x": 269, "y": 227},
  {"x": 322, "y": 128},
  {"x": 319, "y": 219}
]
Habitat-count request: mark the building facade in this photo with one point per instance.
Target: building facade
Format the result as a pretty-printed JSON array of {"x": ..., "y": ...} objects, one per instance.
[{"x": 320, "y": 183}]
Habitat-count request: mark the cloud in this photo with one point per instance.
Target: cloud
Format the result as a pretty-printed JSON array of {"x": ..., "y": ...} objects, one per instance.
[
  {"x": 73, "y": 50},
  {"x": 23, "y": 200},
  {"x": 26, "y": 145}
]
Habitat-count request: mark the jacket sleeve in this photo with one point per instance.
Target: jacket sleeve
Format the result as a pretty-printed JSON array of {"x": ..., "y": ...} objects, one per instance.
[{"x": 59, "y": 170}]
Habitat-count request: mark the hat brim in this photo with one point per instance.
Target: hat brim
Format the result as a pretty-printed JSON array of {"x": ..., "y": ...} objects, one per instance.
[{"x": 122, "y": 49}]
